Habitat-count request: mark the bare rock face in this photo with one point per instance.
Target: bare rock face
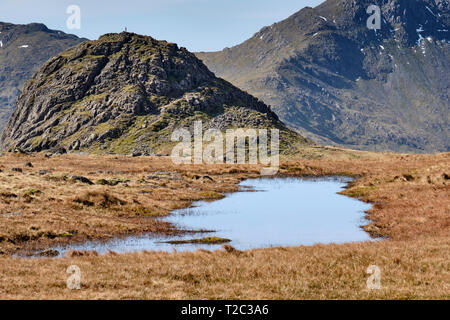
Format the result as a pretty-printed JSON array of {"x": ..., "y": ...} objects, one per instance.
[
  {"x": 125, "y": 93},
  {"x": 23, "y": 50},
  {"x": 335, "y": 81}
]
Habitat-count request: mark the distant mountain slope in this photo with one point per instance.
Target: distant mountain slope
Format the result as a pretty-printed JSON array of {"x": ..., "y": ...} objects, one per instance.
[
  {"x": 23, "y": 49},
  {"x": 335, "y": 81},
  {"x": 126, "y": 93}
]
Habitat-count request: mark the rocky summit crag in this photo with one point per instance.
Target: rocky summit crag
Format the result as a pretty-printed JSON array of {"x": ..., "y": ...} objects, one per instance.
[
  {"x": 124, "y": 94},
  {"x": 23, "y": 50},
  {"x": 337, "y": 82}
]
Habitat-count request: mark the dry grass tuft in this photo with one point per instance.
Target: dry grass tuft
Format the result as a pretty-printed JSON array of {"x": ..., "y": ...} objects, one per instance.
[
  {"x": 100, "y": 199},
  {"x": 230, "y": 249},
  {"x": 80, "y": 253}
]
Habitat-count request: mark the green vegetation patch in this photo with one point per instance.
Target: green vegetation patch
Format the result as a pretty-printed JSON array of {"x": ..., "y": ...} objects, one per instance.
[
  {"x": 141, "y": 211},
  {"x": 211, "y": 195},
  {"x": 207, "y": 240},
  {"x": 111, "y": 182},
  {"x": 358, "y": 192},
  {"x": 32, "y": 192}
]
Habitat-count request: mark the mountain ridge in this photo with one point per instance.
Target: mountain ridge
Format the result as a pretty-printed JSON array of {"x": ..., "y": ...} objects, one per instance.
[{"x": 334, "y": 81}]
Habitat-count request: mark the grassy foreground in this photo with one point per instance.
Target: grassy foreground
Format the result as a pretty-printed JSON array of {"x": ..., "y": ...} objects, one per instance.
[{"x": 48, "y": 203}]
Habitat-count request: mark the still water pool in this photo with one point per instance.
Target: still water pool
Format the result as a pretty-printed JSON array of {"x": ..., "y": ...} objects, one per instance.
[{"x": 275, "y": 212}]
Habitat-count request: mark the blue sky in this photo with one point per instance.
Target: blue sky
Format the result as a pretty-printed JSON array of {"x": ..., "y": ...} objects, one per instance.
[{"x": 199, "y": 25}]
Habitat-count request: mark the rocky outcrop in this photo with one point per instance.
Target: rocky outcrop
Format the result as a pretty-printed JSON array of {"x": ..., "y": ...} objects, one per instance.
[{"x": 126, "y": 93}]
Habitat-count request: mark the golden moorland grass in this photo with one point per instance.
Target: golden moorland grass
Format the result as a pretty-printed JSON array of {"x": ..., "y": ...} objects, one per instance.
[{"x": 49, "y": 203}]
